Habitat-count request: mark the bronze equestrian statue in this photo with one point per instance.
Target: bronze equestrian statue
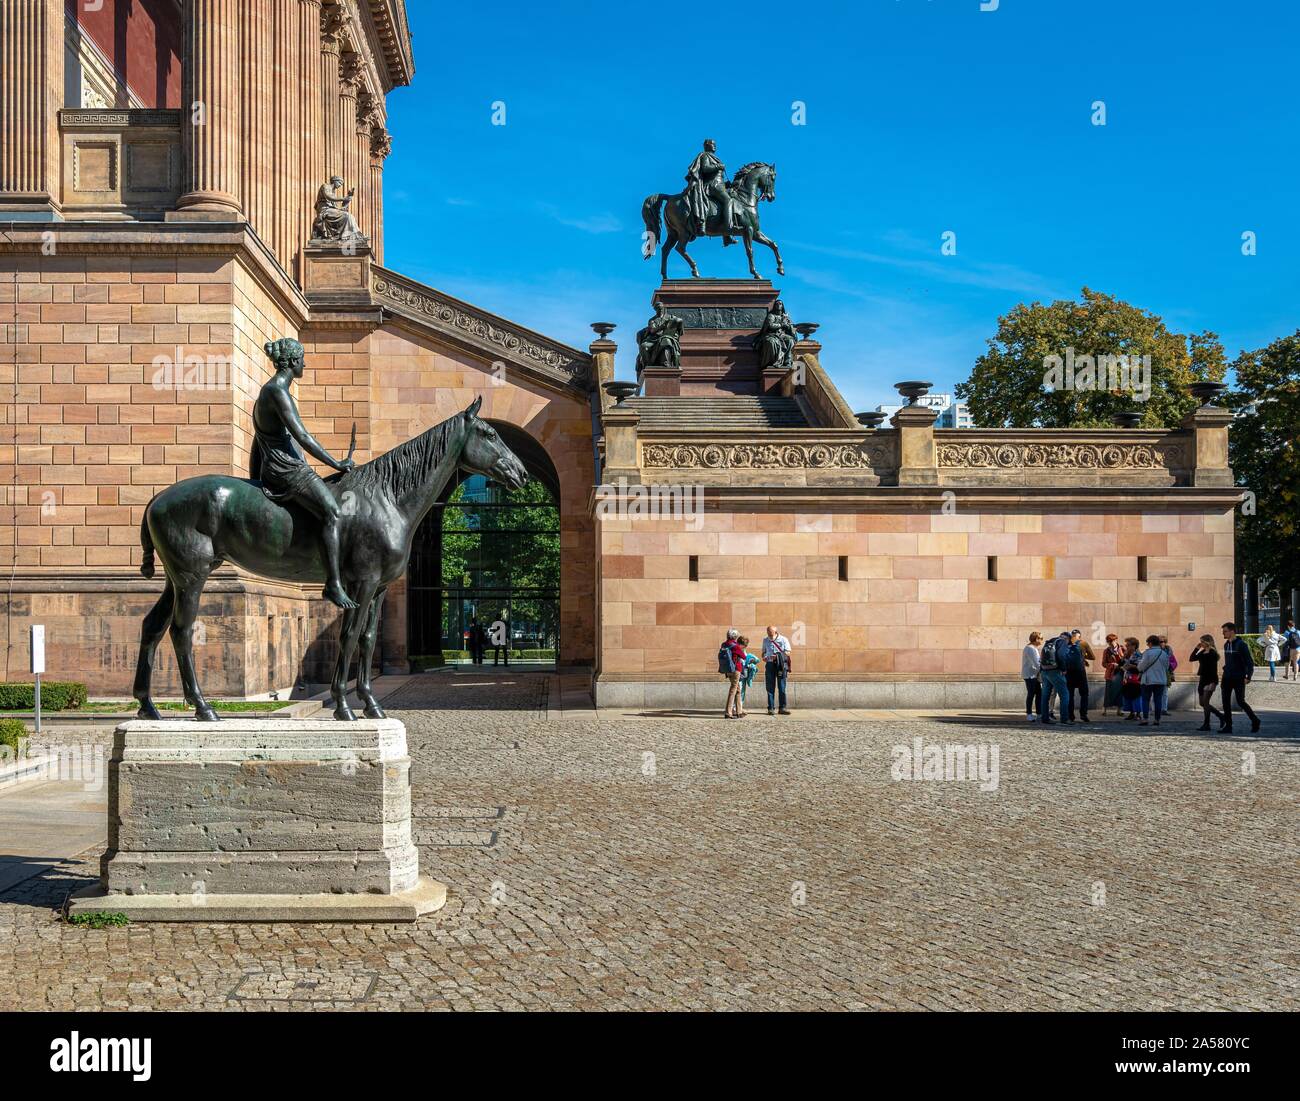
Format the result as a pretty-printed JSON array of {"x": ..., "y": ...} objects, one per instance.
[
  {"x": 278, "y": 531},
  {"x": 710, "y": 206}
]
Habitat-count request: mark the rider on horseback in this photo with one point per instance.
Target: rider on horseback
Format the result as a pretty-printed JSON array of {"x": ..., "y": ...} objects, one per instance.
[
  {"x": 707, "y": 179},
  {"x": 278, "y": 462}
]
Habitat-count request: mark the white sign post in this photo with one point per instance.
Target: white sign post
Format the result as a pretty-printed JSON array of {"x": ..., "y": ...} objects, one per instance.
[{"x": 38, "y": 666}]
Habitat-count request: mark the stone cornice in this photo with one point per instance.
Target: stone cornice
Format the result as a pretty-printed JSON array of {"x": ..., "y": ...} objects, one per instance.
[
  {"x": 393, "y": 37},
  {"x": 850, "y": 498},
  {"x": 482, "y": 332}
]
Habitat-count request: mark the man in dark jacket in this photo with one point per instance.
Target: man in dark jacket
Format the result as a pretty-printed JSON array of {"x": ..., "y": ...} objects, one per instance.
[
  {"x": 1076, "y": 674},
  {"x": 1238, "y": 668}
]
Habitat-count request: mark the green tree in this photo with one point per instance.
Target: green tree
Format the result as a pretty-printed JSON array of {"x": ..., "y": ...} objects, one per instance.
[
  {"x": 1264, "y": 445},
  {"x": 1012, "y": 383}
]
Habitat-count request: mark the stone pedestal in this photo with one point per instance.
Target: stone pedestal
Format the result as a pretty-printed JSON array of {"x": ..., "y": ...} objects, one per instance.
[
  {"x": 336, "y": 274},
  {"x": 720, "y": 319},
  {"x": 261, "y": 820}
]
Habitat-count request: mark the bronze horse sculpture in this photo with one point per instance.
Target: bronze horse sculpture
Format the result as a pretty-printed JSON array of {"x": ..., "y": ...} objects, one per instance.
[
  {"x": 199, "y": 523},
  {"x": 754, "y": 183}
]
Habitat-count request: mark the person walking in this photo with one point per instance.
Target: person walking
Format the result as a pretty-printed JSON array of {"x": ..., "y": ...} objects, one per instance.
[
  {"x": 1030, "y": 663},
  {"x": 1206, "y": 658},
  {"x": 1051, "y": 671},
  {"x": 1154, "y": 668},
  {"x": 1292, "y": 655},
  {"x": 1271, "y": 643},
  {"x": 1076, "y": 673},
  {"x": 776, "y": 669},
  {"x": 731, "y": 664},
  {"x": 1112, "y": 660},
  {"x": 1238, "y": 668}
]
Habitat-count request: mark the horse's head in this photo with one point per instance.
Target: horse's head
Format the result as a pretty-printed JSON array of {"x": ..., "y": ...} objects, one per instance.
[
  {"x": 486, "y": 453},
  {"x": 758, "y": 180}
]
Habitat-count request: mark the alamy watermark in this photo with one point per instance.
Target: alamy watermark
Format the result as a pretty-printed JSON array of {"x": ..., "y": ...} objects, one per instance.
[
  {"x": 643, "y": 501},
  {"x": 920, "y": 761},
  {"x": 1116, "y": 373}
]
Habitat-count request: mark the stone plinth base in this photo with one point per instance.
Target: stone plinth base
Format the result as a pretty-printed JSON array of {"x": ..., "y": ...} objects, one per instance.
[
  {"x": 304, "y": 819},
  {"x": 901, "y": 694}
]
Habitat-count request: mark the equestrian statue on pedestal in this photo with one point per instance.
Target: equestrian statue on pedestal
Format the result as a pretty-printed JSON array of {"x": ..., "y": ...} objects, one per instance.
[
  {"x": 712, "y": 206},
  {"x": 350, "y": 532}
]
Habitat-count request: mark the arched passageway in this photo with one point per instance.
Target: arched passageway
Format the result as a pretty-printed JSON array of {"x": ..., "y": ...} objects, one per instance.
[{"x": 488, "y": 557}]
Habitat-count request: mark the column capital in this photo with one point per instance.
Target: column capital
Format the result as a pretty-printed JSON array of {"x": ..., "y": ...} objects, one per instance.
[
  {"x": 333, "y": 18},
  {"x": 381, "y": 143},
  {"x": 350, "y": 76}
]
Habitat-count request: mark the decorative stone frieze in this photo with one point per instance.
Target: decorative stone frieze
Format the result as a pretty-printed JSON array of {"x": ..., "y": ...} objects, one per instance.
[{"x": 490, "y": 333}]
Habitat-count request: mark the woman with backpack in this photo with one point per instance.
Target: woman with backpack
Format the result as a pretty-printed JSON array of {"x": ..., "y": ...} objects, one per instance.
[
  {"x": 731, "y": 664},
  {"x": 1154, "y": 669},
  {"x": 1206, "y": 657}
]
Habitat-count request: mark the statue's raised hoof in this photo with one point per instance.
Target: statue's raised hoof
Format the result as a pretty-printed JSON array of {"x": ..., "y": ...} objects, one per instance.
[
  {"x": 147, "y": 710},
  {"x": 344, "y": 714},
  {"x": 374, "y": 711},
  {"x": 206, "y": 714}
]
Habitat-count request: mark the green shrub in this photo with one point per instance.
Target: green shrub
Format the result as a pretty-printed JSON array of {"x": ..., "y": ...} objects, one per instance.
[
  {"x": 1256, "y": 650},
  {"x": 56, "y": 695},
  {"x": 99, "y": 919},
  {"x": 12, "y": 735}
]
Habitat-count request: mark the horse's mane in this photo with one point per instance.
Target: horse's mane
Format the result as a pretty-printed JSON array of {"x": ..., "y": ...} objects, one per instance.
[
  {"x": 406, "y": 466},
  {"x": 746, "y": 168}
]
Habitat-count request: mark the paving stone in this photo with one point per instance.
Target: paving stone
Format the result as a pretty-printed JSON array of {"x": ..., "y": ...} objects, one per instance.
[{"x": 757, "y": 865}]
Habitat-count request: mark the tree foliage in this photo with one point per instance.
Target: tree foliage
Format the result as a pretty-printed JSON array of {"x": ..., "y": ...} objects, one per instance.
[
  {"x": 1010, "y": 386},
  {"x": 1264, "y": 445}
]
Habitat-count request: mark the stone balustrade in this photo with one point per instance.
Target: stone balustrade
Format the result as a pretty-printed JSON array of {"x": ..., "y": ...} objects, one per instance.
[{"x": 1117, "y": 459}]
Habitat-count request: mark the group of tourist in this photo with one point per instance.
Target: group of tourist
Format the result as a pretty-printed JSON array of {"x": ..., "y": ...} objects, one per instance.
[
  {"x": 1137, "y": 680},
  {"x": 739, "y": 666},
  {"x": 1282, "y": 648}
]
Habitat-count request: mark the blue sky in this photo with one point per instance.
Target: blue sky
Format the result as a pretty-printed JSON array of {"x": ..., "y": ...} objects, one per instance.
[{"x": 923, "y": 116}]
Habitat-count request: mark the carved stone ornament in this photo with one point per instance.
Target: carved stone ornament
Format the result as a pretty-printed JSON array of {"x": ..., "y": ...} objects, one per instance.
[
  {"x": 444, "y": 313},
  {"x": 798, "y": 456},
  {"x": 1062, "y": 455}
]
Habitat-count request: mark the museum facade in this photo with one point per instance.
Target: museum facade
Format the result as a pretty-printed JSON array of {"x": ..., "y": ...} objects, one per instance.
[{"x": 161, "y": 180}]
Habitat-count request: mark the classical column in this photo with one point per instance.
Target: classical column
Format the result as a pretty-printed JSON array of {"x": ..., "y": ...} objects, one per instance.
[
  {"x": 257, "y": 116},
  {"x": 333, "y": 20},
  {"x": 381, "y": 144},
  {"x": 31, "y": 92},
  {"x": 366, "y": 117},
  {"x": 349, "y": 85},
  {"x": 311, "y": 172},
  {"x": 287, "y": 136},
  {"x": 212, "y": 101}
]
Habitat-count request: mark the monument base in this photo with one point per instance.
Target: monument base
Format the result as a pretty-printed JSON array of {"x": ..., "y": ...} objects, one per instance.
[
  {"x": 260, "y": 820},
  {"x": 426, "y": 896}
]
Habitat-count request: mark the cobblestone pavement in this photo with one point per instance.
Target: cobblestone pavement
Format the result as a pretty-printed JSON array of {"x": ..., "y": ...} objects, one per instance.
[{"x": 707, "y": 864}]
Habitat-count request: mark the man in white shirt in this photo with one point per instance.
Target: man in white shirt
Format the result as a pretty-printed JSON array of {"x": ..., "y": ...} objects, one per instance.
[{"x": 776, "y": 667}]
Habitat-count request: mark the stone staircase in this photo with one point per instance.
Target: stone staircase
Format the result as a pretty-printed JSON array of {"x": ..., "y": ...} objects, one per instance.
[{"x": 714, "y": 412}]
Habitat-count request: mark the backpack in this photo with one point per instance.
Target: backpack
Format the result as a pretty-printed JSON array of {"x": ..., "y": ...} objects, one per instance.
[
  {"x": 726, "y": 662},
  {"x": 1049, "y": 659}
]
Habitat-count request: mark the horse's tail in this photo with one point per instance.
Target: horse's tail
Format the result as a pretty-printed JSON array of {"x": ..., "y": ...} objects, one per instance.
[
  {"x": 146, "y": 542},
  {"x": 650, "y": 215}
]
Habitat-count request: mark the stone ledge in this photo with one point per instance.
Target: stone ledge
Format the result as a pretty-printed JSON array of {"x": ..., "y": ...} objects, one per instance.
[{"x": 425, "y": 897}]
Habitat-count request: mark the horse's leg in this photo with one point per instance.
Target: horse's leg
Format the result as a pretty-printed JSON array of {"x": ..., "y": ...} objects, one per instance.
[
  {"x": 681, "y": 247},
  {"x": 151, "y": 633},
  {"x": 368, "y": 636},
  {"x": 669, "y": 243},
  {"x": 353, "y": 621},
  {"x": 763, "y": 239},
  {"x": 189, "y": 590},
  {"x": 749, "y": 253}
]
